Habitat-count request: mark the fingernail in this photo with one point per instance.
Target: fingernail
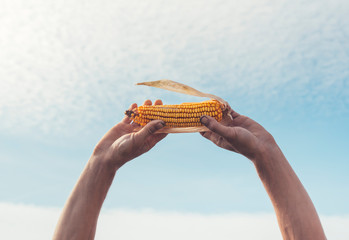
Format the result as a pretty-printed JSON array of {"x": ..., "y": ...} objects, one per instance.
[
  {"x": 204, "y": 120},
  {"x": 160, "y": 125}
]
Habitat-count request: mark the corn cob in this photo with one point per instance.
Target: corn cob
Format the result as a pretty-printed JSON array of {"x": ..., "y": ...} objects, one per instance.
[{"x": 178, "y": 115}]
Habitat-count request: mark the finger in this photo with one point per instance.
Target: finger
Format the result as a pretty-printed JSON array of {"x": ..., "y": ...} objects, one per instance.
[
  {"x": 133, "y": 124},
  {"x": 155, "y": 138},
  {"x": 206, "y": 134},
  {"x": 149, "y": 129},
  {"x": 213, "y": 137},
  {"x": 127, "y": 119},
  {"x": 218, "y": 140},
  {"x": 214, "y": 126},
  {"x": 133, "y": 106},
  {"x": 232, "y": 113},
  {"x": 114, "y": 132},
  {"x": 158, "y": 102},
  {"x": 147, "y": 102}
]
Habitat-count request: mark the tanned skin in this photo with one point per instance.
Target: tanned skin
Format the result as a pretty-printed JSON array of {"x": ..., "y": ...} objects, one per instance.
[{"x": 295, "y": 211}]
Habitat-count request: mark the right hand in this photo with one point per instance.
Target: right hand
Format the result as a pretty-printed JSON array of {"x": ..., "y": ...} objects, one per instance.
[{"x": 239, "y": 134}]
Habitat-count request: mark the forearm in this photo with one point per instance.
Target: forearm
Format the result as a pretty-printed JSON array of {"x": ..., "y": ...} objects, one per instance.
[
  {"x": 79, "y": 216},
  {"x": 295, "y": 211}
]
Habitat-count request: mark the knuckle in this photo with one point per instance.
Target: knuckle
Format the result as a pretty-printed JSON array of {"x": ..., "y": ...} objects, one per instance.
[
  {"x": 150, "y": 130},
  {"x": 213, "y": 125},
  {"x": 206, "y": 134},
  {"x": 233, "y": 132}
]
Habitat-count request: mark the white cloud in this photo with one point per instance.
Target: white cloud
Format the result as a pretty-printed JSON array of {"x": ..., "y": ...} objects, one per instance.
[
  {"x": 34, "y": 222},
  {"x": 68, "y": 65}
]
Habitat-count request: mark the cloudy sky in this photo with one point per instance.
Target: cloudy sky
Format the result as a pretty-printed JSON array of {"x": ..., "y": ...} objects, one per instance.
[{"x": 67, "y": 73}]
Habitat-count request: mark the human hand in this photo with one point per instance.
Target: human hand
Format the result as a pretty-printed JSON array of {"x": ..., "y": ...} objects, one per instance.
[
  {"x": 127, "y": 140},
  {"x": 239, "y": 134},
  {"x": 296, "y": 214}
]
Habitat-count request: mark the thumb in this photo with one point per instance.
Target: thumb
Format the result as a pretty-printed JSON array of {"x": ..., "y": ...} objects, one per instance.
[
  {"x": 216, "y": 127},
  {"x": 149, "y": 129}
]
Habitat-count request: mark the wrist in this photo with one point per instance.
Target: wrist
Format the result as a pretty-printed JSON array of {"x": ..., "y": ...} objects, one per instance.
[
  {"x": 271, "y": 165},
  {"x": 268, "y": 154},
  {"x": 103, "y": 164}
]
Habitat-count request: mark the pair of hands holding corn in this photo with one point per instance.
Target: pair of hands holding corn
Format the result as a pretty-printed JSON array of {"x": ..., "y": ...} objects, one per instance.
[
  {"x": 239, "y": 134},
  {"x": 294, "y": 209}
]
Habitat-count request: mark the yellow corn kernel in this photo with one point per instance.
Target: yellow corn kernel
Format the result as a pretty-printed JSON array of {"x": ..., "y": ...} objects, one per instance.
[{"x": 178, "y": 115}]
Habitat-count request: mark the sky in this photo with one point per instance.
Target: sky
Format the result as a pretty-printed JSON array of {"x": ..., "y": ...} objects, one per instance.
[{"x": 67, "y": 74}]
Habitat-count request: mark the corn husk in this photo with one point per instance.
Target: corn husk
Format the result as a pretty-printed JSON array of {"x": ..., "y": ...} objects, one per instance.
[{"x": 184, "y": 89}]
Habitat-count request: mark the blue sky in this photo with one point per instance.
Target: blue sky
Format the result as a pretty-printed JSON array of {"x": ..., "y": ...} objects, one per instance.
[{"x": 67, "y": 73}]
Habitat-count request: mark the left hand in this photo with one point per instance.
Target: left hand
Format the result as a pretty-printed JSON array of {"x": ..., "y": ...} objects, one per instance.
[{"x": 126, "y": 140}]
